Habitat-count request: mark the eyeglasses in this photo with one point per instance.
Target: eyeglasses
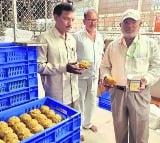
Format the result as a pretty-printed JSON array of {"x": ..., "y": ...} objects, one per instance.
[{"x": 92, "y": 20}]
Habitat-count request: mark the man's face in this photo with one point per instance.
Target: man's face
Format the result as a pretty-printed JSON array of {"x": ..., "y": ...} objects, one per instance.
[
  {"x": 64, "y": 21},
  {"x": 91, "y": 21},
  {"x": 130, "y": 27}
]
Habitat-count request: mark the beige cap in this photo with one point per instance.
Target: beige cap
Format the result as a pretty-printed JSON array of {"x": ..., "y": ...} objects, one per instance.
[{"x": 131, "y": 13}]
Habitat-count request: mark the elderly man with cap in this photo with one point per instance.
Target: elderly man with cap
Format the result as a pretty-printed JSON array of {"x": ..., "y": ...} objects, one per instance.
[{"x": 134, "y": 62}]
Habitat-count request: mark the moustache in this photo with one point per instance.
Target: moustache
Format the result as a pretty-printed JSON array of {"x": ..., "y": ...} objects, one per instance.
[{"x": 68, "y": 26}]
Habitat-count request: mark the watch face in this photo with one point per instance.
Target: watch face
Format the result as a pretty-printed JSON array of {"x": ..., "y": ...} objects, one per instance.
[{"x": 134, "y": 85}]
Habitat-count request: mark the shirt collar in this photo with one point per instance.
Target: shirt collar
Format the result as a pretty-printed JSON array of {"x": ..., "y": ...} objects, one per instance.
[
  {"x": 122, "y": 40},
  {"x": 58, "y": 34},
  {"x": 84, "y": 28}
]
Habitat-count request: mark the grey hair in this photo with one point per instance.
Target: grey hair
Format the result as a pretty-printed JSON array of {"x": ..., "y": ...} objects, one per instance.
[{"x": 92, "y": 10}]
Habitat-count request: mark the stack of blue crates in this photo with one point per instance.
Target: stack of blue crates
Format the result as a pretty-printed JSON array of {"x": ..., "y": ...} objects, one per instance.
[
  {"x": 105, "y": 101},
  {"x": 19, "y": 95},
  {"x": 18, "y": 75}
]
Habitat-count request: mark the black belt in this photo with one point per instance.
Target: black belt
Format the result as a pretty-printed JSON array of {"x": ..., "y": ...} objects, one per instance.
[{"x": 123, "y": 88}]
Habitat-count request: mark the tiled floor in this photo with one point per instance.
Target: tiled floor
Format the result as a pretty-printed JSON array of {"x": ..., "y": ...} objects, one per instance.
[{"x": 105, "y": 134}]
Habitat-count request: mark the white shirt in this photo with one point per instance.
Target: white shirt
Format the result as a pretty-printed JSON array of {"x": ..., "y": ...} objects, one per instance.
[
  {"x": 52, "y": 61},
  {"x": 90, "y": 50},
  {"x": 141, "y": 59}
]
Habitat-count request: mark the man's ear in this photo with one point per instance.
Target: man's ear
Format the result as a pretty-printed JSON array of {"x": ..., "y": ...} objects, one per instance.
[
  {"x": 120, "y": 24},
  {"x": 55, "y": 16},
  {"x": 140, "y": 23},
  {"x": 83, "y": 21}
]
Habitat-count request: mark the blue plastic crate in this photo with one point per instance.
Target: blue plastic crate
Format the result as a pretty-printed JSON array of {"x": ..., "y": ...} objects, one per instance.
[
  {"x": 105, "y": 98},
  {"x": 10, "y": 53},
  {"x": 18, "y": 95},
  {"x": 18, "y": 69},
  {"x": 105, "y": 95},
  {"x": 18, "y": 75},
  {"x": 104, "y": 101},
  {"x": 18, "y": 83},
  {"x": 32, "y": 53},
  {"x": 17, "y": 98},
  {"x": 66, "y": 131},
  {"x": 6, "y": 44},
  {"x": 105, "y": 106},
  {"x": 73, "y": 137}
]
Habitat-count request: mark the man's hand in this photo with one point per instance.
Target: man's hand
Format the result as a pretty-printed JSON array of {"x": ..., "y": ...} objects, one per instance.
[
  {"x": 109, "y": 81},
  {"x": 73, "y": 68},
  {"x": 143, "y": 84},
  {"x": 102, "y": 85}
]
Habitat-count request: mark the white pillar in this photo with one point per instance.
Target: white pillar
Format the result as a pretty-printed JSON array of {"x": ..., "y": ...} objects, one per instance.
[
  {"x": 45, "y": 15},
  {"x": 14, "y": 5},
  {"x": 96, "y": 4},
  {"x": 140, "y": 5}
]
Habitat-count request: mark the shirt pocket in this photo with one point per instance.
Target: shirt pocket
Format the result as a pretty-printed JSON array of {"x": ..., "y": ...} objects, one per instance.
[
  {"x": 99, "y": 54},
  {"x": 141, "y": 64},
  {"x": 98, "y": 60}
]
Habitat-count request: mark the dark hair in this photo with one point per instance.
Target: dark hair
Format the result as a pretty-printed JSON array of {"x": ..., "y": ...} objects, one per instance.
[
  {"x": 62, "y": 7},
  {"x": 70, "y": 2}
]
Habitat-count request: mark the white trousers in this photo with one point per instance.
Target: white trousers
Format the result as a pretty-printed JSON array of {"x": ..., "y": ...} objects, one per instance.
[{"x": 87, "y": 100}]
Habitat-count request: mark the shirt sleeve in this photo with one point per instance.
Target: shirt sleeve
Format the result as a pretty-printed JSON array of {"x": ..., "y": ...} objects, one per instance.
[
  {"x": 153, "y": 74},
  {"x": 105, "y": 68},
  {"x": 45, "y": 67}
]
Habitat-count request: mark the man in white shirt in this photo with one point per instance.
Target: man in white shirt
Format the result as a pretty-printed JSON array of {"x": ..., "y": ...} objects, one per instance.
[
  {"x": 57, "y": 60},
  {"x": 90, "y": 47},
  {"x": 134, "y": 61}
]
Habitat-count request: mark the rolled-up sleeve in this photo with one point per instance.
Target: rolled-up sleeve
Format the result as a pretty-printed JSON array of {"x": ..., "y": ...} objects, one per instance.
[{"x": 105, "y": 67}]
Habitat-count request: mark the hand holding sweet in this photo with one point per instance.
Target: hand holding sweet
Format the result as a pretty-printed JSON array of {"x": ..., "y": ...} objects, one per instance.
[
  {"x": 73, "y": 68},
  {"x": 109, "y": 81},
  {"x": 84, "y": 64}
]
